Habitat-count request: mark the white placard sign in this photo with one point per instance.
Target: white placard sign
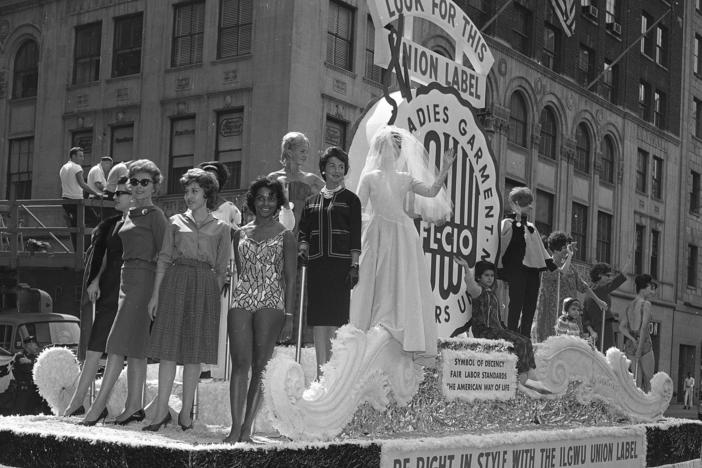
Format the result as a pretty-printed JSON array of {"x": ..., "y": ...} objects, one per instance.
[
  {"x": 469, "y": 375},
  {"x": 624, "y": 447}
]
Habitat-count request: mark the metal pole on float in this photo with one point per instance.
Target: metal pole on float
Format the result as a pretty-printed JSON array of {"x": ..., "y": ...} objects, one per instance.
[
  {"x": 92, "y": 383},
  {"x": 227, "y": 354},
  {"x": 303, "y": 280},
  {"x": 604, "y": 312}
]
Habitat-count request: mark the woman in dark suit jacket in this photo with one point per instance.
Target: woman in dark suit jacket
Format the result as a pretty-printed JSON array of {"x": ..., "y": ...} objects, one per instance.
[{"x": 330, "y": 238}]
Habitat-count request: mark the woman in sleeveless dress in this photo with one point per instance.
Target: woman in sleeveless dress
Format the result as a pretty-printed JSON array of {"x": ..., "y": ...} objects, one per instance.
[
  {"x": 394, "y": 289},
  {"x": 633, "y": 324},
  {"x": 264, "y": 293}
]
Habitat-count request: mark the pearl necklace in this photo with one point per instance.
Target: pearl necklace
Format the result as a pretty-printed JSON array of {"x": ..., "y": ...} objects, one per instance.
[{"x": 327, "y": 193}]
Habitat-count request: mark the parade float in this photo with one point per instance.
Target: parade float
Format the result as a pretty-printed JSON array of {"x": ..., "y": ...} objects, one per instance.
[{"x": 373, "y": 405}]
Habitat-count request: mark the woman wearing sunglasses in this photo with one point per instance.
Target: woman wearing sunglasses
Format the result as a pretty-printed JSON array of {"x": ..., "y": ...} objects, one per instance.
[
  {"x": 142, "y": 236},
  {"x": 185, "y": 302},
  {"x": 103, "y": 271}
]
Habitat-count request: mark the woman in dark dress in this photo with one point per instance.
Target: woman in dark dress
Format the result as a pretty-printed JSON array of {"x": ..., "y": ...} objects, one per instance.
[
  {"x": 103, "y": 290},
  {"x": 330, "y": 237}
]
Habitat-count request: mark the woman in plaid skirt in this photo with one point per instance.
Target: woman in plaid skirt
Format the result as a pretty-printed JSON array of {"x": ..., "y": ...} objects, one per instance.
[{"x": 186, "y": 299}]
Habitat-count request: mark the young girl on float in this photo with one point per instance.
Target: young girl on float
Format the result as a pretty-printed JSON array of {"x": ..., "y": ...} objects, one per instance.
[
  {"x": 486, "y": 322},
  {"x": 522, "y": 258},
  {"x": 568, "y": 323},
  {"x": 185, "y": 304}
]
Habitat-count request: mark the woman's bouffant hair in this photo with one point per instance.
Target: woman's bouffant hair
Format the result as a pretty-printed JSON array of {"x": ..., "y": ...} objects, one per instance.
[
  {"x": 333, "y": 152},
  {"x": 557, "y": 240},
  {"x": 522, "y": 196},
  {"x": 275, "y": 187},
  {"x": 642, "y": 281},
  {"x": 148, "y": 166},
  {"x": 207, "y": 182},
  {"x": 290, "y": 141}
]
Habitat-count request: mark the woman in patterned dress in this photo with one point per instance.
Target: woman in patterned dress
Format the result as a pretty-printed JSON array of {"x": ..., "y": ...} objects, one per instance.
[
  {"x": 185, "y": 303},
  {"x": 264, "y": 293}
]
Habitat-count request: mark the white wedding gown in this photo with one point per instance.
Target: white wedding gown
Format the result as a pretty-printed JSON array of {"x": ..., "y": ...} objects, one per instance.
[{"x": 393, "y": 289}]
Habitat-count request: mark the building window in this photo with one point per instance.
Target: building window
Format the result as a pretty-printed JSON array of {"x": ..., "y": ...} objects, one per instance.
[
  {"x": 373, "y": 72},
  {"x": 692, "y": 256},
  {"x": 657, "y": 178},
  {"x": 647, "y": 40},
  {"x": 586, "y": 65},
  {"x": 582, "y": 149},
  {"x": 608, "y": 83},
  {"x": 235, "y": 28},
  {"x": 84, "y": 139},
  {"x": 550, "y": 52},
  {"x": 655, "y": 252},
  {"x": 696, "y": 62},
  {"x": 695, "y": 192},
  {"x": 182, "y": 151},
  {"x": 26, "y": 71},
  {"x": 641, "y": 170},
  {"x": 547, "y": 140},
  {"x": 607, "y": 161},
  {"x": 578, "y": 230},
  {"x": 126, "y": 57},
  {"x": 659, "y": 109},
  {"x": 521, "y": 25},
  {"x": 638, "y": 249},
  {"x": 517, "y": 120},
  {"x": 611, "y": 12},
  {"x": 86, "y": 67},
  {"x": 335, "y": 132},
  {"x": 19, "y": 171},
  {"x": 122, "y": 143},
  {"x": 340, "y": 36},
  {"x": 661, "y": 45},
  {"x": 698, "y": 118},
  {"x": 188, "y": 34},
  {"x": 230, "y": 142},
  {"x": 543, "y": 217},
  {"x": 604, "y": 237},
  {"x": 645, "y": 101}
]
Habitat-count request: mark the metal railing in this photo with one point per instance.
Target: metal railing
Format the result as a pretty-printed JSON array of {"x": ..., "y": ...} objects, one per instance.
[{"x": 22, "y": 220}]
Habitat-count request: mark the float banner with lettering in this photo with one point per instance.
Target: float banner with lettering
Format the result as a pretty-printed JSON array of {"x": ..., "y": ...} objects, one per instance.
[
  {"x": 426, "y": 66},
  {"x": 591, "y": 447},
  {"x": 469, "y": 375}
]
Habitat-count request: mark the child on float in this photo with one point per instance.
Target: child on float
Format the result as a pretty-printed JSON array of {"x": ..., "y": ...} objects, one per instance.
[
  {"x": 486, "y": 323},
  {"x": 523, "y": 257}
]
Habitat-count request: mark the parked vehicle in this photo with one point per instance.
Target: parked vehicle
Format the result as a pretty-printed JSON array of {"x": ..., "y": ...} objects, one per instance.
[{"x": 50, "y": 329}]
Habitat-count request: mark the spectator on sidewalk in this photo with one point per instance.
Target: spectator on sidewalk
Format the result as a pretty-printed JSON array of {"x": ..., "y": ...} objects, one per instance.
[
  {"x": 689, "y": 391},
  {"x": 72, "y": 187},
  {"x": 117, "y": 172}
]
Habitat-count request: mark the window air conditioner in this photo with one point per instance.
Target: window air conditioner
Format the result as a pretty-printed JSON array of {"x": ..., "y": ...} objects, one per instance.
[
  {"x": 592, "y": 11},
  {"x": 617, "y": 28}
]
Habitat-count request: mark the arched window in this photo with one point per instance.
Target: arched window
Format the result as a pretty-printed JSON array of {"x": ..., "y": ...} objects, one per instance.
[
  {"x": 607, "y": 161},
  {"x": 26, "y": 71},
  {"x": 582, "y": 149},
  {"x": 547, "y": 141},
  {"x": 517, "y": 120}
]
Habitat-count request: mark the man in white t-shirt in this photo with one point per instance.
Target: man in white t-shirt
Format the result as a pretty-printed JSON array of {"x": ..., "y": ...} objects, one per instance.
[
  {"x": 689, "y": 391},
  {"x": 72, "y": 187},
  {"x": 97, "y": 175}
]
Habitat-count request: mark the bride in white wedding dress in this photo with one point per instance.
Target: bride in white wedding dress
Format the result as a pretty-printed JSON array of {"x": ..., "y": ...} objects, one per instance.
[{"x": 398, "y": 182}]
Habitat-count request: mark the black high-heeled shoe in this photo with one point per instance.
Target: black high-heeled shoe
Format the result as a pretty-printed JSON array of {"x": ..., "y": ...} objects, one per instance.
[
  {"x": 138, "y": 415},
  {"x": 102, "y": 416},
  {"x": 183, "y": 426},
  {"x": 76, "y": 412},
  {"x": 157, "y": 426}
]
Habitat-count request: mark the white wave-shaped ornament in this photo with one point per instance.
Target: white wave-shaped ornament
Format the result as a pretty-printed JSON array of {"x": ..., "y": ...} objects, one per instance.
[
  {"x": 564, "y": 359},
  {"x": 364, "y": 367}
]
